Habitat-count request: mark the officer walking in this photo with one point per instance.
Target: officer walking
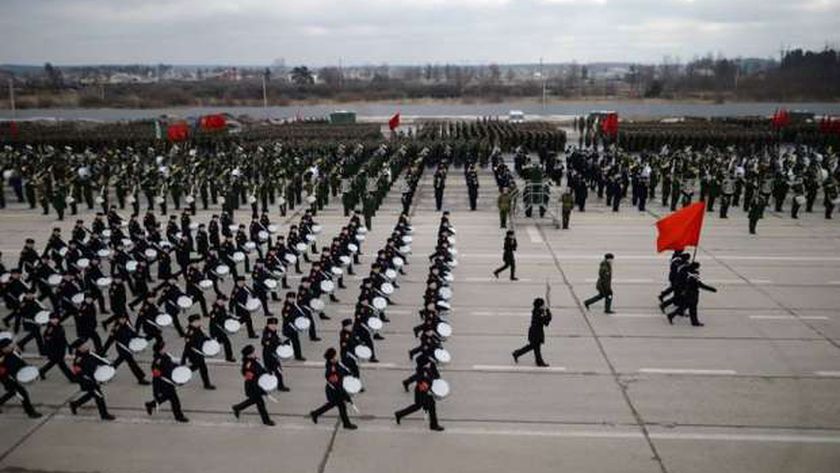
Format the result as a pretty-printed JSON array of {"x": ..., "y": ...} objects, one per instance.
[
  {"x": 604, "y": 285},
  {"x": 507, "y": 256},
  {"x": 540, "y": 318}
]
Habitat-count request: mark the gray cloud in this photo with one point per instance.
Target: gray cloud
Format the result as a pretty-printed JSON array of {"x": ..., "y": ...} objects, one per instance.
[{"x": 318, "y": 32}]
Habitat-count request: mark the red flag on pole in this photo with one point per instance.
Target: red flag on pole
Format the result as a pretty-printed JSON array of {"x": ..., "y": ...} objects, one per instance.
[
  {"x": 394, "y": 122},
  {"x": 609, "y": 124},
  {"x": 781, "y": 118},
  {"x": 178, "y": 131},
  {"x": 681, "y": 228},
  {"x": 212, "y": 122}
]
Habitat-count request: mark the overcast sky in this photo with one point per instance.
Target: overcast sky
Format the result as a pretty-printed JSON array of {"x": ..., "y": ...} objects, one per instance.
[{"x": 319, "y": 32}]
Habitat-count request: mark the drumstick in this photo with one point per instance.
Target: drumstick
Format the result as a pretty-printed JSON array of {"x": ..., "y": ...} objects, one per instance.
[
  {"x": 271, "y": 398},
  {"x": 198, "y": 351},
  {"x": 104, "y": 360},
  {"x": 355, "y": 409}
]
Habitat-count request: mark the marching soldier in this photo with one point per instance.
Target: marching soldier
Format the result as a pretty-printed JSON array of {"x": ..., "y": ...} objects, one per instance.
[
  {"x": 193, "y": 341},
  {"x": 540, "y": 318},
  {"x": 10, "y": 364},
  {"x": 85, "y": 364},
  {"x": 163, "y": 387},
  {"x": 507, "y": 256},
  {"x": 336, "y": 395},
  {"x": 251, "y": 371},
  {"x": 604, "y": 285}
]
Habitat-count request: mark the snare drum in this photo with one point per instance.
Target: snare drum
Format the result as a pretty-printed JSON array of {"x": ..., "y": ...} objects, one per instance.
[
  {"x": 4, "y": 278},
  {"x": 150, "y": 254},
  {"x": 185, "y": 302},
  {"x": 106, "y": 234},
  {"x": 375, "y": 323},
  {"x": 284, "y": 352},
  {"x": 262, "y": 235},
  {"x": 181, "y": 375},
  {"x": 317, "y": 305},
  {"x": 390, "y": 274},
  {"x": 316, "y": 229},
  {"x": 302, "y": 324},
  {"x": 131, "y": 266},
  {"x": 77, "y": 299},
  {"x": 453, "y": 252},
  {"x": 211, "y": 348},
  {"x": 453, "y": 263},
  {"x": 361, "y": 230},
  {"x": 444, "y": 305},
  {"x": 233, "y": 228},
  {"x": 249, "y": 247},
  {"x": 310, "y": 238},
  {"x": 7, "y": 336},
  {"x": 104, "y": 373},
  {"x": 440, "y": 389},
  {"x": 271, "y": 284},
  {"x": 290, "y": 258},
  {"x": 445, "y": 293},
  {"x": 205, "y": 284},
  {"x": 127, "y": 243},
  {"x": 272, "y": 229},
  {"x": 354, "y": 248},
  {"x": 336, "y": 271},
  {"x": 193, "y": 225},
  {"x": 268, "y": 382},
  {"x": 398, "y": 262},
  {"x": 63, "y": 251},
  {"x": 379, "y": 303},
  {"x": 327, "y": 286},
  {"x": 301, "y": 247},
  {"x": 42, "y": 317},
  {"x": 238, "y": 256},
  {"x": 54, "y": 280},
  {"x": 800, "y": 199},
  {"x": 27, "y": 374},
  {"x": 387, "y": 288},
  {"x": 345, "y": 260},
  {"x": 363, "y": 352},
  {"x": 137, "y": 344},
  {"x": 103, "y": 253},
  {"x": 442, "y": 356},
  {"x": 83, "y": 263},
  {"x": 310, "y": 199},
  {"x": 360, "y": 237},
  {"x": 252, "y": 305},
  {"x": 407, "y": 239},
  {"x": 222, "y": 270},
  {"x": 351, "y": 385},
  {"x": 451, "y": 241},
  {"x": 405, "y": 249},
  {"x": 104, "y": 282},
  {"x": 163, "y": 320},
  {"x": 444, "y": 329},
  {"x": 232, "y": 326}
]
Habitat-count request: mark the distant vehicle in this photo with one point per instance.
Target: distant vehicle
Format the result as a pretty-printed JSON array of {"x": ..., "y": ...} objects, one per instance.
[{"x": 516, "y": 116}]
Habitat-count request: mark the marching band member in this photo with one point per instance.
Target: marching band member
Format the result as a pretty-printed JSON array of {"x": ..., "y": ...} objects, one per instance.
[
  {"x": 336, "y": 395},
  {"x": 10, "y": 364},
  {"x": 270, "y": 341},
  {"x": 55, "y": 347},
  {"x": 251, "y": 371},
  {"x": 423, "y": 398},
  {"x": 163, "y": 388},
  {"x": 122, "y": 333},
  {"x": 84, "y": 367},
  {"x": 194, "y": 339},
  {"x": 218, "y": 315}
]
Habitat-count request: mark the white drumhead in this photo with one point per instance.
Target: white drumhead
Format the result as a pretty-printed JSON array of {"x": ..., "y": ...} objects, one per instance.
[
  {"x": 150, "y": 253},
  {"x": 181, "y": 375},
  {"x": 163, "y": 320},
  {"x": 104, "y": 373},
  {"x": 302, "y": 324},
  {"x": 268, "y": 382},
  {"x": 442, "y": 356},
  {"x": 137, "y": 344},
  {"x": 310, "y": 238},
  {"x": 271, "y": 284},
  {"x": 444, "y": 330},
  {"x": 390, "y": 274},
  {"x": 379, "y": 303},
  {"x": 445, "y": 293},
  {"x": 106, "y": 234},
  {"x": 387, "y": 288},
  {"x": 290, "y": 258},
  {"x": 127, "y": 243},
  {"x": 310, "y": 199},
  {"x": 345, "y": 260},
  {"x": 193, "y": 225},
  {"x": 363, "y": 352},
  {"x": 316, "y": 229},
  {"x": 398, "y": 262},
  {"x": 6, "y": 336},
  {"x": 362, "y": 230},
  {"x": 222, "y": 270},
  {"x": 131, "y": 266},
  {"x": 444, "y": 305},
  {"x": 351, "y": 384},
  {"x": 54, "y": 279},
  {"x": 453, "y": 251},
  {"x": 42, "y": 317},
  {"x": 375, "y": 323},
  {"x": 284, "y": 352},
  {"x": 407, "y": 239},
  {"x": 272, "y": 229},
  {"x": 353, "y": 247},
  {"x": 317, "y": 304},
  {"x": 336, "y": 271},
  {"x": 232, "y": 325},
  {"x": 83, "y": 263},
  {"x": 27, "y": 374},
  {"x": 211, "y": 348},
  {"x": 262, "y": 235},
  {"x": 327, "y": 286},
  {"x": 405, "y": 249},
  {"x": 252, "y": 305},
  {"x": 440, "y": 388},
  {"x": 301, "y": 247},
  {"x": 250, "y": 246},
  {"x": 205, "y": 284},
  {"x": 238, "y": 257},
  {"x": 185, "y": 302},
  {"x": 104, "y": 282},
  {"x": 63, "y": 251},
  {"x": 103, "y": 253},
  {"x": 78, "y": 298},
  {"x": 233, "y": 227},
  {"x": 800, "y": 199},
  {"x": 360, "y": 237}
]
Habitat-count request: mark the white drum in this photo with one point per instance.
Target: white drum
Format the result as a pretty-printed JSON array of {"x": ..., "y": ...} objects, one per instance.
[
  {"x": 405, "y": 249},
  {"x": 379, "y": 303},
  {"x": 163, "y": 320},
  {"x": 310, "y": 238},
  {"x": 390, "y": 274},
  {"x": 262, "y": 235},
  {"x": 316, "y": 229},
  {"x": 444, "y": 329},
  {"x": 103, "y": 253},
  {"x": 284, "y": 352},
  {"x": 445, "y": 293},
  {"x": 7, "y": 336},
  {"x": 78, "y": 298},
  {"x": 54, "y": 280},
  {"x": 222, "y": 270},
  {"x": 272, "y": 229},
  {"x": 271, "y": 284},
  {"x": 4, "y": 278},
  {"x": 302, "y": 324},
  {"x": 238, "y": 256},
  {"x": 300, "y": 247},
  {"x": 150, "y": 254},
  {"x": 268, "y": 382},
  {"x": 232, "y": 326},
  {"x": 345, "y": 260},
  {"x": 352, "y": 385},
  {"x": 363, "y": 352},
  {"x": 185, "y": 302},
  {"x": 453, "y": 263},
  {"x": 407, "y": 239},
  {"x": 362, "y": 230},
  {"x": 800, "y": 199},
  {"x": 398, "y": 262},
  {"x": 249, "y": 246},
  {"x": 317, "y": 305},
  {"x": 354, "y": 248},
  {"x": 27, "y": 375},
  {"x": 375, "y": 323},
  {"x": 233, "y": 228},
  {"x": 82, "y": 263},
  {"x": 290, "y": 258},
  {"x": 104, "y": 373},
  {"x": 63, "y": 251},
  {"x": 444, "y": 305},
  {"x": 137, "y": 344},
  {"x": 193, "y": 225},
  {"x": 451, "y": 241},
  {"x": 127, "y": 243},
  {"x": 211, "y": 348},
  {"x": 42, "y": 317},
  {"x": 131, "y": 266},
  {"x": 440, "y": 389},
  {"x": 181, "y": 375},
  {"x": 106, "y": 234},
  {"x": 448, "y": 277},
  {"x": 442, "y": 356},
  {"x": 387, "y": 288},
  {"x": 310, "y": 199},
  {"x": 360, "y": 237},
  {"x": 252, "y": 304},
  {"x": 336, "y": 271},
  {"x": 453, "y": 252},
  {"x": 205, "y": 284},
  {"x": 327, "y": 286},
  {"x": 104, "y": 282}
]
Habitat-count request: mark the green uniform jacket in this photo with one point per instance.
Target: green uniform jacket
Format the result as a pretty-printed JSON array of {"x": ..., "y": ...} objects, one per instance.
[{"x": 604, "y": 284}]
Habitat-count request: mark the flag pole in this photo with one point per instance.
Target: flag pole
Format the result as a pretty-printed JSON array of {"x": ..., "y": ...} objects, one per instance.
[{"x": 694, "y": 256}]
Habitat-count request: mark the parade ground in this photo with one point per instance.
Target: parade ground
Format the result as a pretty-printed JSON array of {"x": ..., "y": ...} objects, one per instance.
[{"x": 755, "y": 390}]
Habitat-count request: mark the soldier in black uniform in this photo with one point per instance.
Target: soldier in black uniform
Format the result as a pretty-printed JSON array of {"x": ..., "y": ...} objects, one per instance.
[
  {"x": 472, "y": 186},
  {"x": 423, "y": 398},
  {"x": 540, "y": 318},
  {"x": 163, "y": 388},
  {"x": 10, "y": 364},
  {"x": 439, "y": 185},
  {"x": 194, "y": 339},
  {"x": 691, "y": 296},
  {"x": 251, "y": 371},
  {"x": 55, "y": 347},
  {"x": 218, "y": 315},
  {"x": 121, "y": 333},
  {"x": 270, "y": 341},
  {"x": 507, "y": 256},
  {"x": 336, "y": 395},
  {"x": 84, "y": 366}
]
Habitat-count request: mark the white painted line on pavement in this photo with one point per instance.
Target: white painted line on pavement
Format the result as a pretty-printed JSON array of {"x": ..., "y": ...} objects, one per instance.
[
  {"x": 828, "y": 374},
  {"x": 518, "y": 369},
  {"x": 746, "y": 437},
  {"x": 686, "y": 371},
  {"x": 788, "y": 317},
  {"x": 500, "y": 314},
  {"x": 533, "y": 234}
]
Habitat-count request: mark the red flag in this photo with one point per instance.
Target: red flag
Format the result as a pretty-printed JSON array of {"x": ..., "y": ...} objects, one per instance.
[
  {"x": 178, "y": 131},
  {"x": 394, "y": 122},
  {"x": 212, "y": 122},
  {"x": 609, "y": 124},
  {"x": 781, "y": 118},
  {"x": 681, "y": 228}
]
